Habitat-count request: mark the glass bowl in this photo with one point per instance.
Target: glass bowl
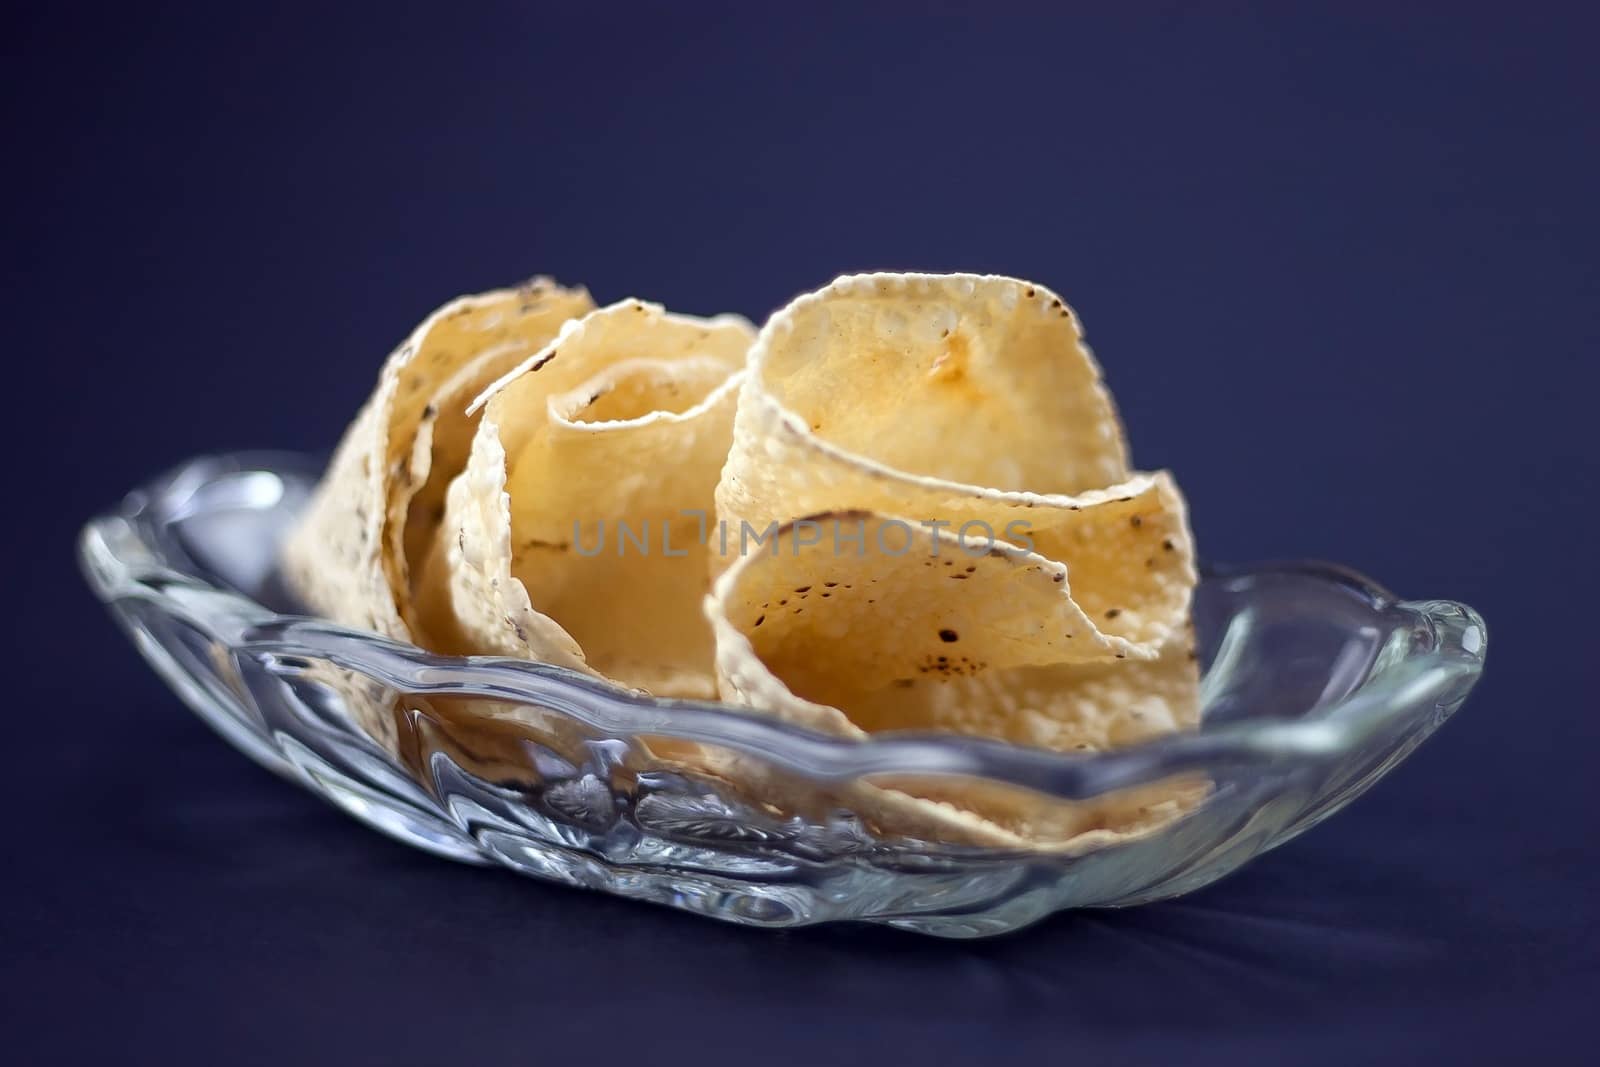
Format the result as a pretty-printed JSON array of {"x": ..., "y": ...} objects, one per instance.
[{"x": 1316, "y": 683}]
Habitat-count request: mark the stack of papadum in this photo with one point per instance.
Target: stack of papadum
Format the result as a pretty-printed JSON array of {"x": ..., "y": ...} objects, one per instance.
[{"x": 904, "y": 505}]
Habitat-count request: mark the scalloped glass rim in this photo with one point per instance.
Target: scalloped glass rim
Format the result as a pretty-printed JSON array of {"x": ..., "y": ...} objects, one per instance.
[{"x": 1317, "y": 682}]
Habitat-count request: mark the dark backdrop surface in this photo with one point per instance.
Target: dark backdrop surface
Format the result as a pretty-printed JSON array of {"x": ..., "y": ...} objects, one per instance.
[{"x": 1340, "y": 268}]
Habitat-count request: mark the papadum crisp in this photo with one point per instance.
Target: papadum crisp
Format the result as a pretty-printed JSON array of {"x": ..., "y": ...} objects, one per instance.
[
  {"x": 906, "y": 504},
  {"x": 576, "y": 534},
  {"x": 347, "y": 558}
]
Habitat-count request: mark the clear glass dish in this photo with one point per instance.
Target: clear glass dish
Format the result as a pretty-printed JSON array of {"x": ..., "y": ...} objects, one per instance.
[{"x": 1317, "y": 682}]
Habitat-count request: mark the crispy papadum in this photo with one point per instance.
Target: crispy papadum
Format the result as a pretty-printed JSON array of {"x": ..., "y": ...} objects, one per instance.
[
  {"x": 539, "y": 479},
  {"x": 384, "y": 489},
  {"x": 969, "y": 406},
  {"x": 853, "y": 623},
  {"x": 577, "y": 533},
  {"x": 932, "y": 381},
  {"x": 956, "y": 358},
  {"x": 383, "y": 492}
]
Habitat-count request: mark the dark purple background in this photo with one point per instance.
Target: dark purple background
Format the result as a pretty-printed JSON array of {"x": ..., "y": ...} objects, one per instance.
[{"x": 1341, "y": 271}]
